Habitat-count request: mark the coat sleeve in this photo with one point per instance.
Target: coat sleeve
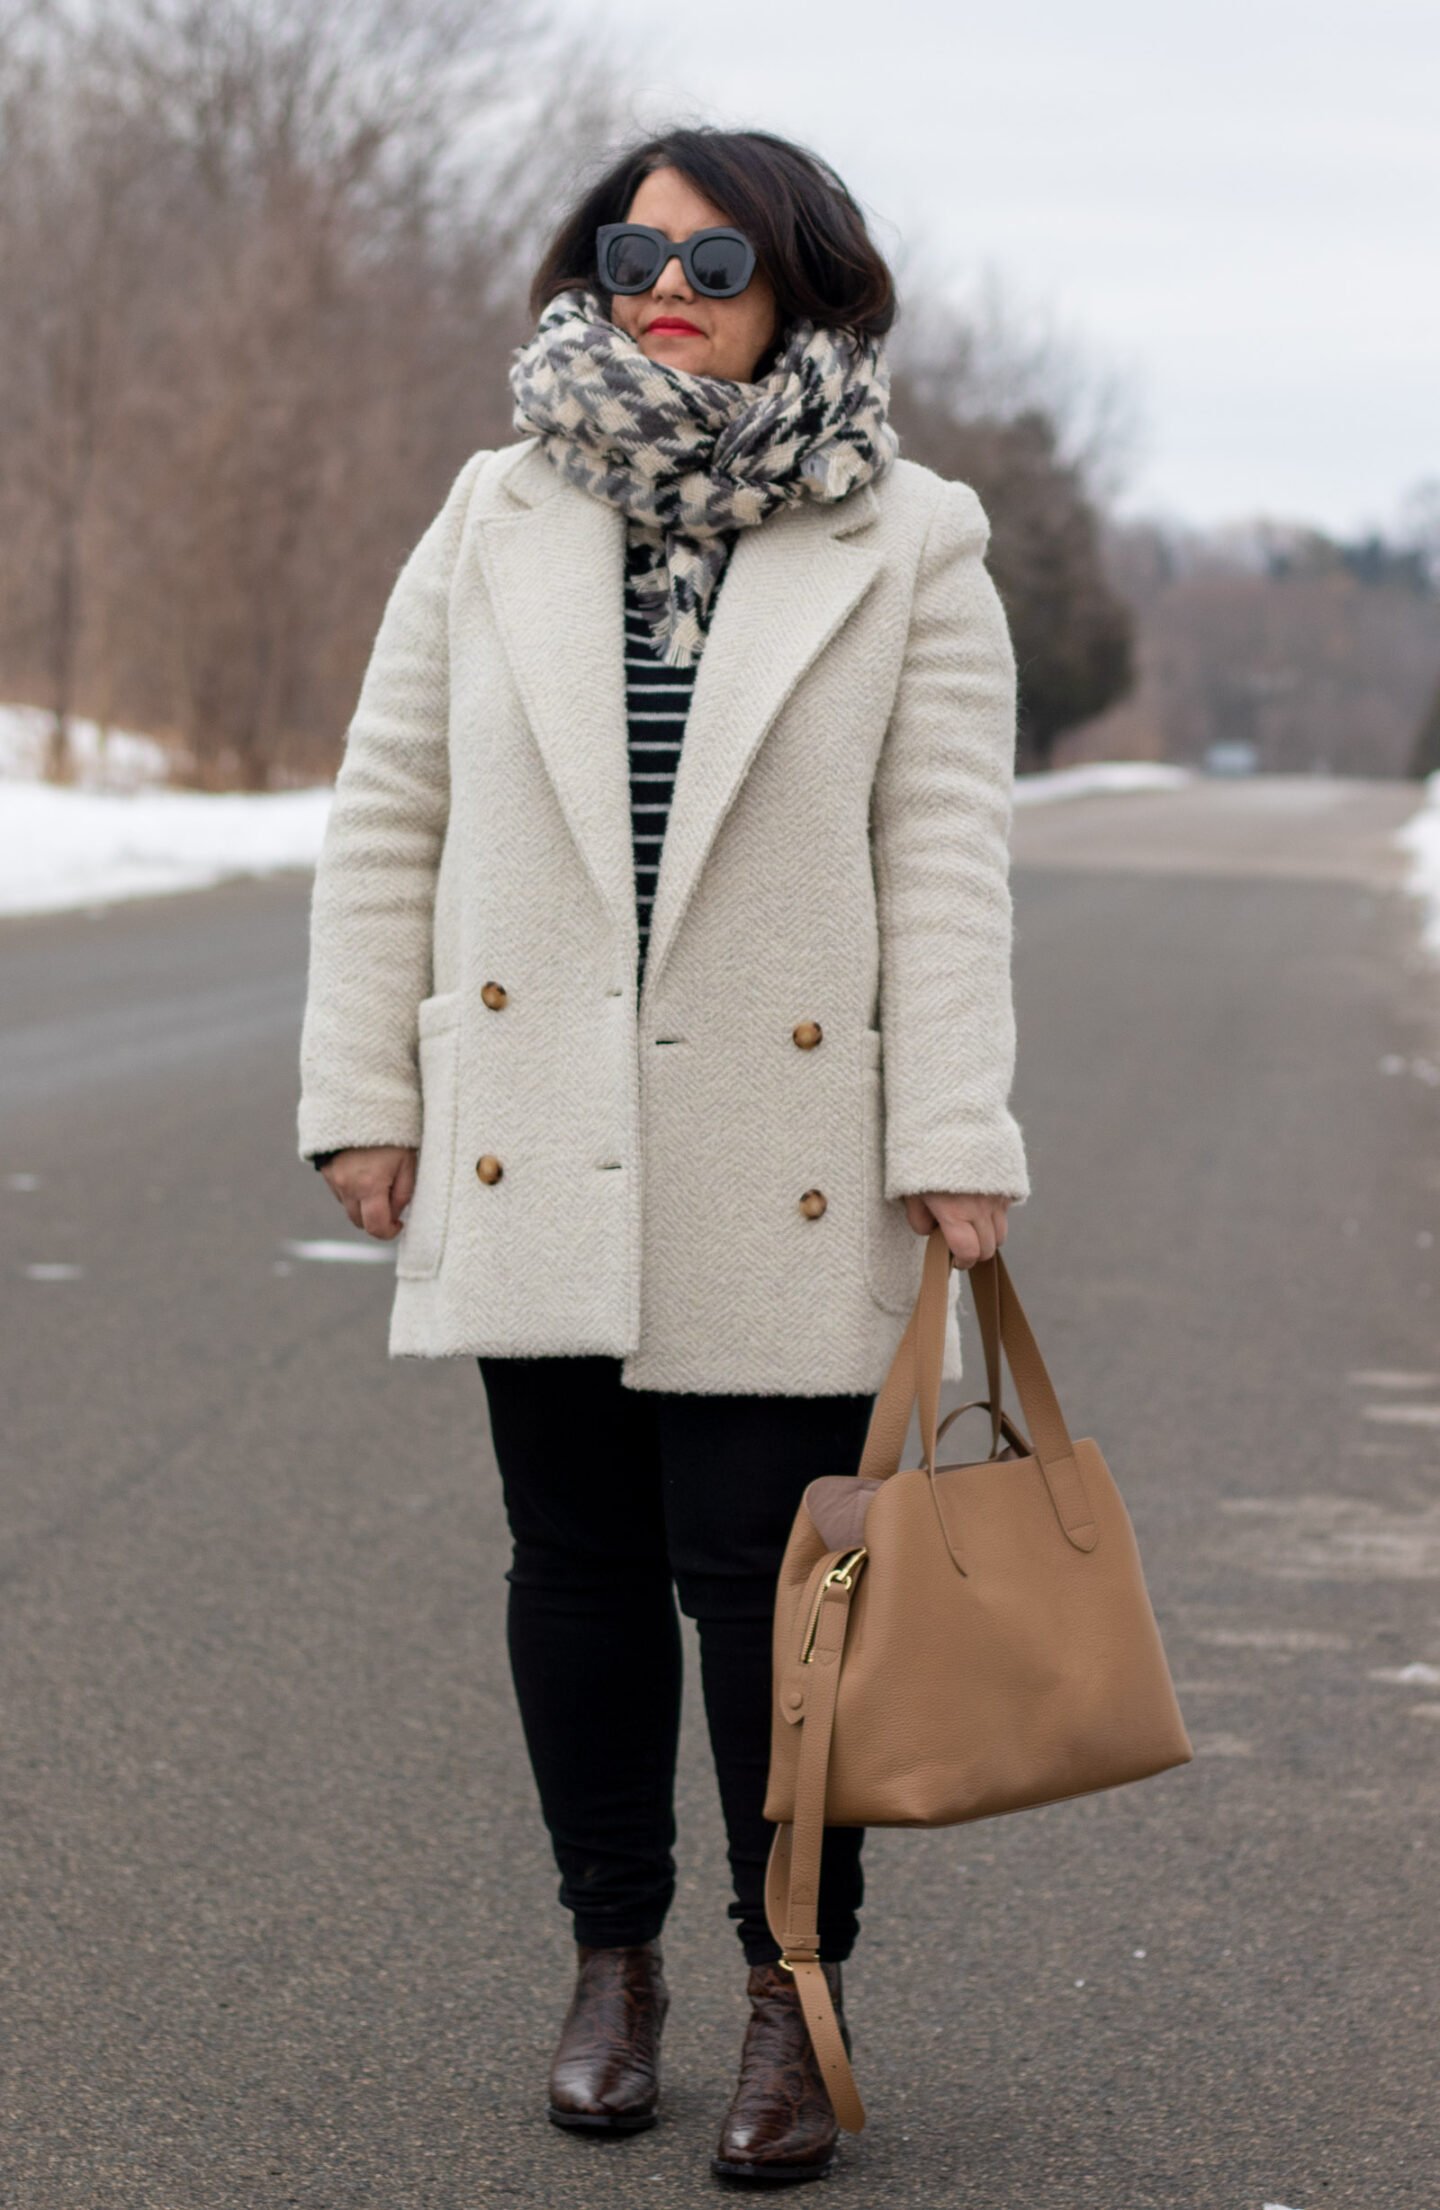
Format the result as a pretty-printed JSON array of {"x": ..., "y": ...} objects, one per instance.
[
  {"x": 941, "y": 824},
  {"x": 371, "y": 926}
]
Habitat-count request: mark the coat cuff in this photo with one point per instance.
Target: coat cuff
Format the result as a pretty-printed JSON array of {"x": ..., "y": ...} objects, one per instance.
[
  {"x": 989, "y": 1161},
  {"x": 326, "y": 1129}
]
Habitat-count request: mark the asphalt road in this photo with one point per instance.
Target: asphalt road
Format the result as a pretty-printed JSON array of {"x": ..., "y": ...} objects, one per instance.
[{"x": 278, "y": 1916}]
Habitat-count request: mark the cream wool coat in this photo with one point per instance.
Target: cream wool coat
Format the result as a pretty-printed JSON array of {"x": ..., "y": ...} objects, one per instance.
[{"x": 836, "y": 854}]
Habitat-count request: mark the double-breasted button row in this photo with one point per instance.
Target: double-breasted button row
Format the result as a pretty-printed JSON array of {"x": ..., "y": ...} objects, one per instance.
[{"x": 489, "y": 1170}]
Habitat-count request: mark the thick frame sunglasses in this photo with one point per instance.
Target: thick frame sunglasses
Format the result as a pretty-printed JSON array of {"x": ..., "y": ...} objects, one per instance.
[{"x": 717, "y": 263}]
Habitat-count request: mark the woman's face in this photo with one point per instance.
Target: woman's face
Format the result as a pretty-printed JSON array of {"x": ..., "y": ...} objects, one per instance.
[{"x": 679, "y": 326}]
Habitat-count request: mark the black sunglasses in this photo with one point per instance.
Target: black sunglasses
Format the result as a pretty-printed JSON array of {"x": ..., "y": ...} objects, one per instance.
[{"x": 630, "y": 256}]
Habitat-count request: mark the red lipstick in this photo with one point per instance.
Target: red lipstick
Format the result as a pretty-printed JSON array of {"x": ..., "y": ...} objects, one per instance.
[{"x": 672, "y": 322}]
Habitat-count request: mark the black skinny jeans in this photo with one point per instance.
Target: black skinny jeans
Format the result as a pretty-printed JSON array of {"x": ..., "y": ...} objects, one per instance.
[{"x": 617, "y": 1499}]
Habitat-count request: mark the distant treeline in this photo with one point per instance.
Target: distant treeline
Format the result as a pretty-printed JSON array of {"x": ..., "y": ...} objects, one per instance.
[
  {"x": 261, "y": 266},
  {"x": 1315, "y": 653}
]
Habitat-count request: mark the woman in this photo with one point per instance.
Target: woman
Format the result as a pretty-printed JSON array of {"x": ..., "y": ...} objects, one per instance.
[{"x": 690, "y": 1031}]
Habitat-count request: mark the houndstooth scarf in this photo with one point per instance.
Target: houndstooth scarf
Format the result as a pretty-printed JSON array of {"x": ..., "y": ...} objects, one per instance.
[{"x": 689, "y": 460}]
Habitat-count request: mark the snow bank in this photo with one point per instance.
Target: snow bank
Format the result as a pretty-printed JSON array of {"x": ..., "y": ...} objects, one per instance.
[
  {"x": 117, "y": 832},
  {"x": 74, "y": 847},
  {"x": 1099, "y": 778},
  {"x": 1420, "y": 837}
]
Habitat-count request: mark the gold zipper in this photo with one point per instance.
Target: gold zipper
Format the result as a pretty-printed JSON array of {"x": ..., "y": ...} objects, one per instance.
[{"x": 841, "y": 1575}]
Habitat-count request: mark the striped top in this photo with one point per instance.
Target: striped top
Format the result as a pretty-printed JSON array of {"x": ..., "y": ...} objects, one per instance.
[{"x": 657, "y": 702}]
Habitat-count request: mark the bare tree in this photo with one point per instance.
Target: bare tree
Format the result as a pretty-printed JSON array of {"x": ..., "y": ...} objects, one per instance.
[
  {"x": 986, "y": 355},
  {"x": 1018, "y": 416},
  {"x": 68, "y": 176},
  {"x": 259, "y": 277}
]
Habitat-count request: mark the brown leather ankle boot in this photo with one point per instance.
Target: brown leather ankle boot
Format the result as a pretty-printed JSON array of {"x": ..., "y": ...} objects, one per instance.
[
  {"x": 605, "y": 2076},
  {"x": 780, "y": 2126}
]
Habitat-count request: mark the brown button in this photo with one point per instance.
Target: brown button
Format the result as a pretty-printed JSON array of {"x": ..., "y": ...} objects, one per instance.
[
  {"x": 808, "y": 1035},
  {"x": 493, "y": 996},
  {"x": 812, "y": 1204},
  {"x": 795, "y": 1699},
  {"x": 489, "y": 1169}
]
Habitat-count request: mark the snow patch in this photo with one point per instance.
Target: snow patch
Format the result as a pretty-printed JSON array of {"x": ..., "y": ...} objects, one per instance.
[
  {"x": 1221, "y": 1745},
  {"x": 72, "y": 847},
  {"x": 117, "y": 832},
  {"x": 1288, "y": 1639},
  {"x": 1100, "y": 779},
  {"x": 1334, "y": 1538},
  {"x": 328, "y": 1252},
  {"x": 1420, "y": 837}
]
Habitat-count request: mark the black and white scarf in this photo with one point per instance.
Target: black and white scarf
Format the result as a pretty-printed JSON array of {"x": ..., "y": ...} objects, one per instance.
[{"x": 689, "y": 460}]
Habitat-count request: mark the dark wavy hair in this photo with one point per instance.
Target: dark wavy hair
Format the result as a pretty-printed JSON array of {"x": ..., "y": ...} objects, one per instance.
[{"x": 808, "y": 233}]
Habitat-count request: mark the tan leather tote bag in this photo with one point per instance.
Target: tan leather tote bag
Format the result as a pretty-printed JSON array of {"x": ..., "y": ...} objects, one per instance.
[{"x": 953, "y": 1641}]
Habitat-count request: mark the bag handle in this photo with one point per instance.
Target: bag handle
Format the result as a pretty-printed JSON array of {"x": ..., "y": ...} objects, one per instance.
[
  {"x": 916, "y": 1367},
  {"x": 1044, "y": 1420},
  {"x": 915, "y": 1374}
]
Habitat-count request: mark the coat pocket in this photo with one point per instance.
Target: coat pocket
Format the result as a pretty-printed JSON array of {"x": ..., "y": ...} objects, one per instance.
[
  {"x": 894, "y": 1253},
  {"x": 422, "y": 1243}
]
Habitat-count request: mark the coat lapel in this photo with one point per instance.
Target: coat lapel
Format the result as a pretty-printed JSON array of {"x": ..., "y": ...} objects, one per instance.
[
  {"x": 790, "y": 585},
  {"x": 555, "y": 565}
]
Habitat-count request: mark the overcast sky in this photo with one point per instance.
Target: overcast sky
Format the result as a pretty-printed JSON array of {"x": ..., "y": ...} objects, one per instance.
[{"x": 1237, "y": 205}]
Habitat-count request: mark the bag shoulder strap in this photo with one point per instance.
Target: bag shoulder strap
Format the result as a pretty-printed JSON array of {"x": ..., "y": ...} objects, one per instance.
[{"x": 792, "y": 1879}]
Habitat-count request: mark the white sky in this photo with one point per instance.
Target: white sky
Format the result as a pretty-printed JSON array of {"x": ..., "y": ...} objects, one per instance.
[{"x": 1236, "y": 205}]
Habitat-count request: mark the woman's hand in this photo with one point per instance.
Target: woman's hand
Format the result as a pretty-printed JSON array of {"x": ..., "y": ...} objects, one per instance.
[
  {"x": 374, "y": 1185},
  {"x": 974, "y": 1227}
]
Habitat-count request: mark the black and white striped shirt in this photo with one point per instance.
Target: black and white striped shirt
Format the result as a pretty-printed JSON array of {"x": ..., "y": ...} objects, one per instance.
[{"x": 657, "y": 702}]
